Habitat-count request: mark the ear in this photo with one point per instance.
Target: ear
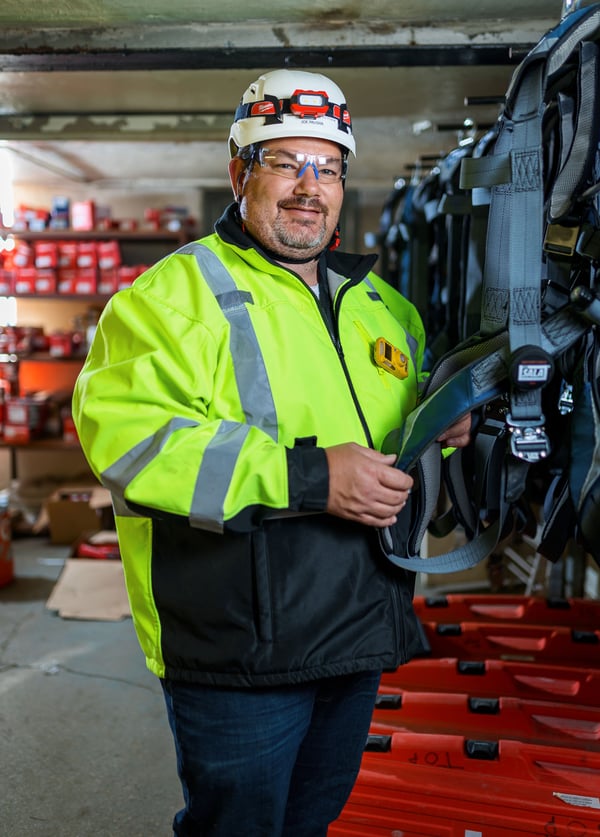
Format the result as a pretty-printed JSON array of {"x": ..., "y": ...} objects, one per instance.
[{"x": 237, "y": 170}]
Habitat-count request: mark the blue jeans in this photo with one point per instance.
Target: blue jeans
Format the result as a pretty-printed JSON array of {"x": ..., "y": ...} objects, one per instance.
[{"x": 272, "y": 762}]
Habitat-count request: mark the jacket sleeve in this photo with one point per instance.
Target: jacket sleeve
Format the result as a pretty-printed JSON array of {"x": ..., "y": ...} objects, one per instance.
[{"x": 159, "y": 425}]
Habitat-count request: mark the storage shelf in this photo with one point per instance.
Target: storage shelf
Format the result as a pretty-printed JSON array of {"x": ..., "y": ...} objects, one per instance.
[
  {"x": 182, "y": 235},
  {"x": 138, "y": 246},
  {"x": 40, "y": 357},
  {"x": 101, "y": 299},
  {"x": 40, "y": 444}
]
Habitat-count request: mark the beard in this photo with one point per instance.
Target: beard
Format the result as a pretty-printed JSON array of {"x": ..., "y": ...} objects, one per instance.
[{"x": 298, "y": 234}]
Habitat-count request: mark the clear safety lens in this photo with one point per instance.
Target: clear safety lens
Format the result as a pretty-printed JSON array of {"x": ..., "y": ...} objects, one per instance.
[{"x": 293, "y": 164}]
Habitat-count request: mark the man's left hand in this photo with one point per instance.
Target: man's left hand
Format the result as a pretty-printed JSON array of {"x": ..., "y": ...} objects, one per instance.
[{"x": 458, "y": 435}]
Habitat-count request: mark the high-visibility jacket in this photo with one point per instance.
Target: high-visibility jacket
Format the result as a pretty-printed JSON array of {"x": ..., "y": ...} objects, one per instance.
[{"x": 209, "y": 393}]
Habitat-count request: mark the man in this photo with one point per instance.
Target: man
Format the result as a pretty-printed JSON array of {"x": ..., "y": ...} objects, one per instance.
[{"x": 232, "y": 403}]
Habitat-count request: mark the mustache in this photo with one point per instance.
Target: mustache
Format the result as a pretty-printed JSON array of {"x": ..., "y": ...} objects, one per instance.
[{"x": 303, "y": 203}]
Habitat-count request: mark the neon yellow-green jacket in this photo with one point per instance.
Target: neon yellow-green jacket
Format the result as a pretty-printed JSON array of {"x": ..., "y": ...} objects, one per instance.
[{"x": 211, "y": 389}]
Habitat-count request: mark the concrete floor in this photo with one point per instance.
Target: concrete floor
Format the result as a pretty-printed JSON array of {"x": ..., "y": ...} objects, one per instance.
[{"x": 85, "y": 747}]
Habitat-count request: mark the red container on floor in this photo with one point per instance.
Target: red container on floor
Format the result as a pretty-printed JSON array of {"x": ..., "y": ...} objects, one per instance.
[
  {"x": 493, "y": 678},
  {"x": 523, "y": 610},
  {"x": 6, "y": 556},
  {"x": 502, "y": 641},
  {"x": 535, "y": 721},
  {"x": 413, "y": 784}
]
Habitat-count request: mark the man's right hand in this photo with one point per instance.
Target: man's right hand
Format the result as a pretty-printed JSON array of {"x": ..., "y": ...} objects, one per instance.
[{"x": 364, "y": 486}]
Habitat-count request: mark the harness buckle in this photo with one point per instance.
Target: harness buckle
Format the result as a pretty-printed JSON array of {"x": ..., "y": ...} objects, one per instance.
[
  {"x": 561, "y": 240},
  {"x": 528, "y": 439},
  {"x": 565, "y": 401}
]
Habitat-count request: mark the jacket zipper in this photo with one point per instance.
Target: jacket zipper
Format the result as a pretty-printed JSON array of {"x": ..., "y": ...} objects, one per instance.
[
  {"x": 336, "y": 304},
  {"x": 400, "y": 638},
  {"x": 335, "y": 339}
]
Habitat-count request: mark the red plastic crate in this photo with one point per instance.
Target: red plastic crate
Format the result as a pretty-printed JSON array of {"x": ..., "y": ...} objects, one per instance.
[
  {"x": 575, "y": 613},
  {"x": 528, "y": 643},
  {"x": 417, "y": 784},
  {"x": 497, "y": 677},
  {"x": 541, "y": 722},
  {"x": 558, "y": 768}
]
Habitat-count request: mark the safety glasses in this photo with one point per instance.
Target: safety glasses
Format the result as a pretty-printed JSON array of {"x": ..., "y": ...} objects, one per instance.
[{"x": 293, "y": 164}]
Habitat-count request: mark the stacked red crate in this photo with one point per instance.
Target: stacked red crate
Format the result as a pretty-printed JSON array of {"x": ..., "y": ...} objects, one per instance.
[{"x": 496, "y": 732}]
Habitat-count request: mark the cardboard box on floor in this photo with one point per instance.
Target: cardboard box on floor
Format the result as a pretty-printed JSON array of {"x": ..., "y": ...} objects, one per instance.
[
  {"x": 90, "y": 589},
  {"x": 73, "y": 510}
]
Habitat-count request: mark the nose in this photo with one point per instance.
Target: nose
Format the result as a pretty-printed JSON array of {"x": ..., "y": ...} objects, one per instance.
[
  {"x": 308, "y": 179},
  {"x": 310, "y": 162}
]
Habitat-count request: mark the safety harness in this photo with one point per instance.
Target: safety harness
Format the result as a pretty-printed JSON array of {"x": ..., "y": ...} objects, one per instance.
[{"x": 529, "y": 376}]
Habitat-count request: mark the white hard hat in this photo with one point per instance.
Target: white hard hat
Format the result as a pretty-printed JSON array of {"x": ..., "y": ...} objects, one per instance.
[{"x": 291, "y": 103}]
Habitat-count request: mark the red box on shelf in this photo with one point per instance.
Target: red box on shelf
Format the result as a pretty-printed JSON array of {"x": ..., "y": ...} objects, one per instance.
[
  {"x": 45, "y": 281},
  {"x": 108, "y": 280},
  {"x": 26, "y": 413},
  {"x": 7, "y": 282},
  {"x": 109, "y": 254},
  {"x": 127, "y": 275},
  {"x": 87, "y": 254},
  {"x": 66, "y": 280},
  {"x": 23, "y": 411},
  {"x": 46, "y": 253},
  {"x": 22, "y": 255},
  {"x": 67, "y": 254},
  {"x": 61, "y": 344},
  {"x": 17, "y": 434},
  {"x": 85, "y": 281},
  {"x": 69, "y": 431},
  {"x": 25, "y": 280}
]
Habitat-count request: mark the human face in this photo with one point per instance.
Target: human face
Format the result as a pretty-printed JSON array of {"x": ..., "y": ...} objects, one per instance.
[{"x": 294, "y": 218}]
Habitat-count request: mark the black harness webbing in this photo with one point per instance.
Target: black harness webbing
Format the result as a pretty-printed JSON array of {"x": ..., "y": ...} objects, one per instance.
[
  {"x": 464, "y": 380},
  {"x": 523, "y": 331}
]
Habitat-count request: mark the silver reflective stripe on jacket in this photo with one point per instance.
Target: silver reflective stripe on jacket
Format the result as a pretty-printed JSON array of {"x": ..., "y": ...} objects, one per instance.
[
  {"x": 212, "y": 484},
  {"x": 253, "y": 386},
  {"x": 250, "y": 373},
  {"x": 256, "y": 398},
  {"x": 125, "y": 469}
]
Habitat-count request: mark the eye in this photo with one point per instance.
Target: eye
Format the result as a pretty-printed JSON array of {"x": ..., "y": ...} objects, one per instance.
[{"x": 281, "y": 162}]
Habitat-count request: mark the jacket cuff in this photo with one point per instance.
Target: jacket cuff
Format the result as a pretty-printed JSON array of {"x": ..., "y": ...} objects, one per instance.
[{"x": 308, "y": 478}]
